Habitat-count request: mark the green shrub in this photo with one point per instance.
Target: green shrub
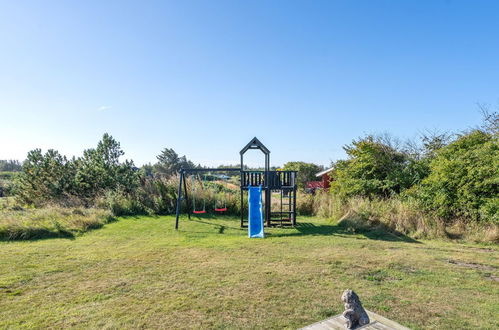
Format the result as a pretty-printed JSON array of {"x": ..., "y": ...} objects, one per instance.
[
  {"x": 51, "y": 178},
  {"x": 464, "y": 179},
  {"x": 45, "y": 178},
  {"x": 7, "y": 175},
  {"x": 375, "y": 169},
  {"x": 6, "y": 185},
  {"x": 121, "y": 204}
]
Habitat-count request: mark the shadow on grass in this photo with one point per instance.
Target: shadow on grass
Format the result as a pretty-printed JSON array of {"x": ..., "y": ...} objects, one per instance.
[
  {"x": 206, "y": 220},
  {"x": 37, "y": 234},
  {"x": 378, "y": 233},
  {"x": 344, "y": 229}
]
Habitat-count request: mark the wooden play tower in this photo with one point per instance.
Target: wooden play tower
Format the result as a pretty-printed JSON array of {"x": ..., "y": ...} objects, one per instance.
[
  {"x": 275, "y": 184},
  {"x": 281, "y": 182}
]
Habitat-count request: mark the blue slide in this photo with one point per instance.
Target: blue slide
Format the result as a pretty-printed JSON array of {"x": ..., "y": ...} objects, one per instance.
[{"x": 255, "y": 227}]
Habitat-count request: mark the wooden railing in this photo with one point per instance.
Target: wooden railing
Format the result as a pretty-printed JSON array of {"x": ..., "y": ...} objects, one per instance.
[{"x": 277, "y": 179}]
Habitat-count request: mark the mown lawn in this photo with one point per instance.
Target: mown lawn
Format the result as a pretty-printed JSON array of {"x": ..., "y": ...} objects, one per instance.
[{"x": 139, "y": 272}]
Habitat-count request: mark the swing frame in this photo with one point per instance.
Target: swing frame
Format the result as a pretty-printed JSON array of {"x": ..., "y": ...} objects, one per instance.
[{"x": 270, "y": 180}]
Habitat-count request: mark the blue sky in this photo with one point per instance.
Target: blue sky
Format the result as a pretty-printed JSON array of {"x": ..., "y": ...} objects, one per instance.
[{"x": 204, "y": 77}]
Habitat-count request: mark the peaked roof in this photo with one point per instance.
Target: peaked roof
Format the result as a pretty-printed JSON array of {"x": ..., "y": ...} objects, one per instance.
[
  {"x": 324, "y": 172},
  {"x": 255, "y": 144}
]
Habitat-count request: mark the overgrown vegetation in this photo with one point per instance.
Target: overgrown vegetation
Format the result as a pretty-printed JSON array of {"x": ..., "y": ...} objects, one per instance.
[
  {"x": 51, "y": 178},
  {"x": 22, "y": 224},
  {"x": 445, "y": 186},
  {"x": 463, "y": 181},
  {"x": 375, "y": 168},
  {"x": 10, "y": 165},
  {"x": 8, "y": 169},
  {"x": 306, "y": 171},
  {"x": 6, "y": 183}
]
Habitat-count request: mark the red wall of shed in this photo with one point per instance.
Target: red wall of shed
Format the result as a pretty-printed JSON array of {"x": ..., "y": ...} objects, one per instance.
[{"x": 325, "y": 181}]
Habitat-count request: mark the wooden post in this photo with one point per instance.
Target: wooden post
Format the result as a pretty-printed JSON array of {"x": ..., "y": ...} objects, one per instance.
[
  {"x": 294, "y": 203},
  {"x": 242, "y": 206},
  {"x": 186, "y": 197},
  {"x": 179, "y": 199}
]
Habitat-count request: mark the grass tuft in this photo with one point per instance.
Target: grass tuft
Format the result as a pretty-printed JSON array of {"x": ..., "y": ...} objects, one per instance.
[{"x": 49, "y": 222}]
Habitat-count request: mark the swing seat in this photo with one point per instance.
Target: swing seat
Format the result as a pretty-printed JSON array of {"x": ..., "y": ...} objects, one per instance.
[
  {"x": 199, "y": 212},
  {"x": 221, "y": 209}
]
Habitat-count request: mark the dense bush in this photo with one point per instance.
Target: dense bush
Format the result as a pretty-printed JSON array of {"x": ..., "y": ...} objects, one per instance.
[
  {"x": 52, "y": 178},
  {"x": 100, "y": 179},
  {"x": 100, "y": 170},
  {"x": 45, "y": 178},
  {"x": 6, "y": 179},
  {"x": 464, "y": 179},
  {"x": 375, "y": 169},
  {"x": 446, "y": 186},
  {"x": 452, "y": 179},
  {"x": 152, "y": 196}
]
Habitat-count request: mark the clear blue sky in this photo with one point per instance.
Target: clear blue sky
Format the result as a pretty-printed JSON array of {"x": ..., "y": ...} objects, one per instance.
[{"x": 204, "y": 77}]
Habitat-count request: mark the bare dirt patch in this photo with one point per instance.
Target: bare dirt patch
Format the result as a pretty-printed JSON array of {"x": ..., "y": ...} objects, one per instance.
[{"x": 472, "y": 265}]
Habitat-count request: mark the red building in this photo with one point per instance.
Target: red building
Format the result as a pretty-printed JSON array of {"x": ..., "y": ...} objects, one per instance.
[{"x": 312, "y": 186}]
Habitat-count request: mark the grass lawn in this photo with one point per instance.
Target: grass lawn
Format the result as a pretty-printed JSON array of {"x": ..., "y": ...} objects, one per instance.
[{"x": 139, "y": 272}]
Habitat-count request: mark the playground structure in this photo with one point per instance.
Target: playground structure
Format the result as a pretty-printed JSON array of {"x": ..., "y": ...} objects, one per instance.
[{"x": 281, "y": 183}]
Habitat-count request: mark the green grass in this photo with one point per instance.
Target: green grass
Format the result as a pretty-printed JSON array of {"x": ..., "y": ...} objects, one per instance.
[{"x": 138, "y": 272}]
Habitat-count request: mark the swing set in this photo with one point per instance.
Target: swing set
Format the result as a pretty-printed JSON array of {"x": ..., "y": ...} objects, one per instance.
[{"x": 270, "y": 182}]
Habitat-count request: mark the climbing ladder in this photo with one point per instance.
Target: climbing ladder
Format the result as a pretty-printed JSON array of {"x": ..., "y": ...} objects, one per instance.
[{"x": 285, "y": 214}]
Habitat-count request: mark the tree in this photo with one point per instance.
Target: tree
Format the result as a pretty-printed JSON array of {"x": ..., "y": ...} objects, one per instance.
[
  {"x": 100, "y": 169},
  {"x": 434, "y": 141},
  {"x": 147, "y": 170},
  {"x": 306, "y": 171},
  {"x": 44, "y": 177},
  {"x": 169, "y": 163},
  {"x": 490, "y": 119},
  {"x": 10, "y": 165},
  {"x": 51, "y": 177}
]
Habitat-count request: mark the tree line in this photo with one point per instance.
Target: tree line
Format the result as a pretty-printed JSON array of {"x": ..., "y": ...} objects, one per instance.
[{"x": 450, "y": 175}]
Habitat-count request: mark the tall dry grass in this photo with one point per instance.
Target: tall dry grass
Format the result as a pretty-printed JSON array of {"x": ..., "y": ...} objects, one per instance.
[
  {"x": 398, "y": 215},
  {"x": 394, "y": 214},
  {"x": 321, "y": 204},
  {"x": 22, "y": 224}
]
